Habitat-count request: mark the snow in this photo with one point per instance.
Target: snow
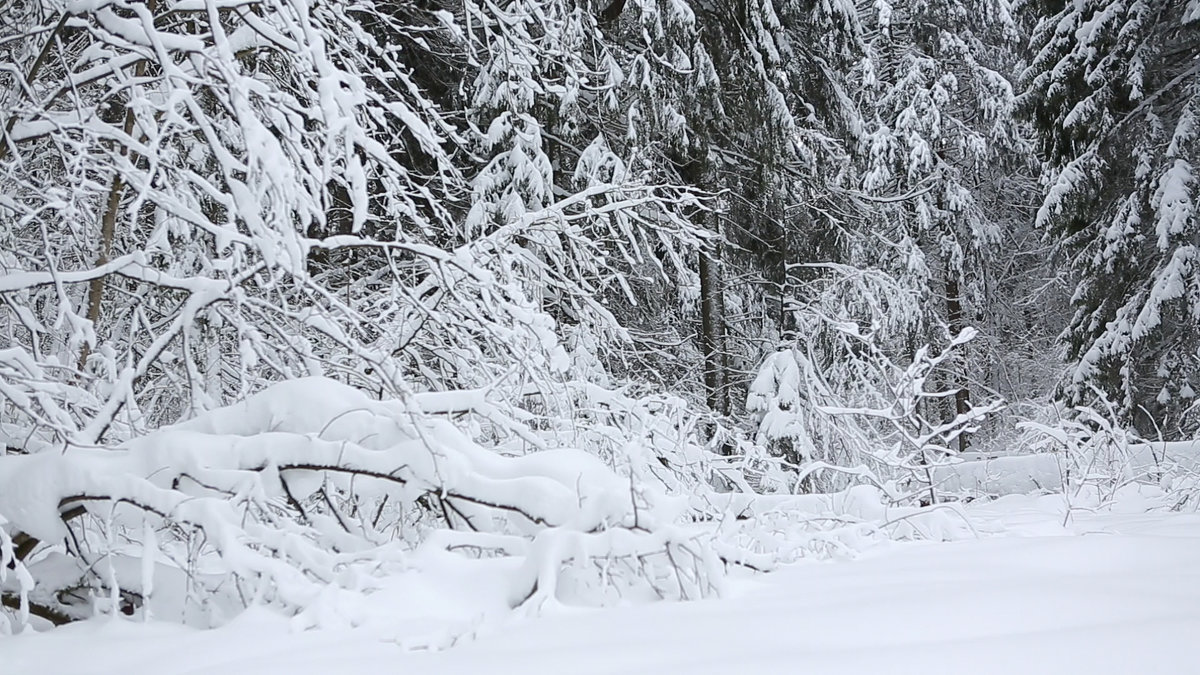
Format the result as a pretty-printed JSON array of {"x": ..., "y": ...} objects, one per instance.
[
  {"x": 1044, "y": 471},
  {"x": 513, "y": 471},
  {"x": 1113, "y": 590},
  {"x": 1016, "y": 474}
]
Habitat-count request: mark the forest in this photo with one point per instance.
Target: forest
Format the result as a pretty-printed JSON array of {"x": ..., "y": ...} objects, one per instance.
[{"x": 614, "y": 300}]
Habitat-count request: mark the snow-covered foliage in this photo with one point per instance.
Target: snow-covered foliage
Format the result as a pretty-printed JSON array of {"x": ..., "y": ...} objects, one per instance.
[
  {"x": 841, "y": 408},
  {"x": 202, "y": 201},
  {"x": 1115, "y": 92},
  {"x": 301, "y": 298},
  {"x": 278, "y": 312}
]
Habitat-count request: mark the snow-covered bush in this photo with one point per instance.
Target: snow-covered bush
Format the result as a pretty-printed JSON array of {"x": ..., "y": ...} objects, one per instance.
[
  {"x": 310, "y": 484},
  {"x": 1097, "y": 455},
  {"x": 202, "y": 207},
  {"x": 840, "y": 408}
]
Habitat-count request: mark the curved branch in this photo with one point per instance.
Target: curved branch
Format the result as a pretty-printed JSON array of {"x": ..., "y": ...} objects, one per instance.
[{"x": 41, "y": 611}]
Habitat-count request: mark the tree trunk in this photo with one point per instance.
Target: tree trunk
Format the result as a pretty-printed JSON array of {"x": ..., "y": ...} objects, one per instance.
[
  {"x": 712, "y": 330},
  {"x": 954, "y": 317},
  {"x": 108, "y": 221},
  {"x": 712, "y": 304}
]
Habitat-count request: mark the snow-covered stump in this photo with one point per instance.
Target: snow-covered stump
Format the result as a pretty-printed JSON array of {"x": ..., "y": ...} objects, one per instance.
[{"x": 308, "y": 485}]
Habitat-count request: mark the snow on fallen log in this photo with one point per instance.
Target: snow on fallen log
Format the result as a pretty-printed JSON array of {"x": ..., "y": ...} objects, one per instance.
[
  {"x": 1165, "y": 457},
  {"x": 306, "y": 485}
]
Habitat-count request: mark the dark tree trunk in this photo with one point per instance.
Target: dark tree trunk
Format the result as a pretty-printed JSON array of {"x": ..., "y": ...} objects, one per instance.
[
  {"x": 712, "y": 330},
  {"x": 108, "y": 223},
  {"x": 954, "y": 317}
]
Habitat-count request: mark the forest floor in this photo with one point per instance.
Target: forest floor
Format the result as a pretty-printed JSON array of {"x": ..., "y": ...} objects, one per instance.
[{"x": 1111, "y": 590}]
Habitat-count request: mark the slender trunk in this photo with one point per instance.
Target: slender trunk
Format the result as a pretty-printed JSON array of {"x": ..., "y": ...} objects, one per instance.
[
  {"x": 712, "y": 307},
  {"x": 712, "y": 330},
  {"x": 108, "y": 223},
  {"x": 954, "y": 317}
]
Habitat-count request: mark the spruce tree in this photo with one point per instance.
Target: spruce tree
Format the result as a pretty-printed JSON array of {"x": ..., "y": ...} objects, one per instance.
[
  {"x": 1113, "y": 89},
  {"x": 940, "y": 120}
]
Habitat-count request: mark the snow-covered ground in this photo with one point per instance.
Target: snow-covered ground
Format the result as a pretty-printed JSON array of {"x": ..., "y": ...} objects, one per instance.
[{"x": 1115, "y": 590}]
